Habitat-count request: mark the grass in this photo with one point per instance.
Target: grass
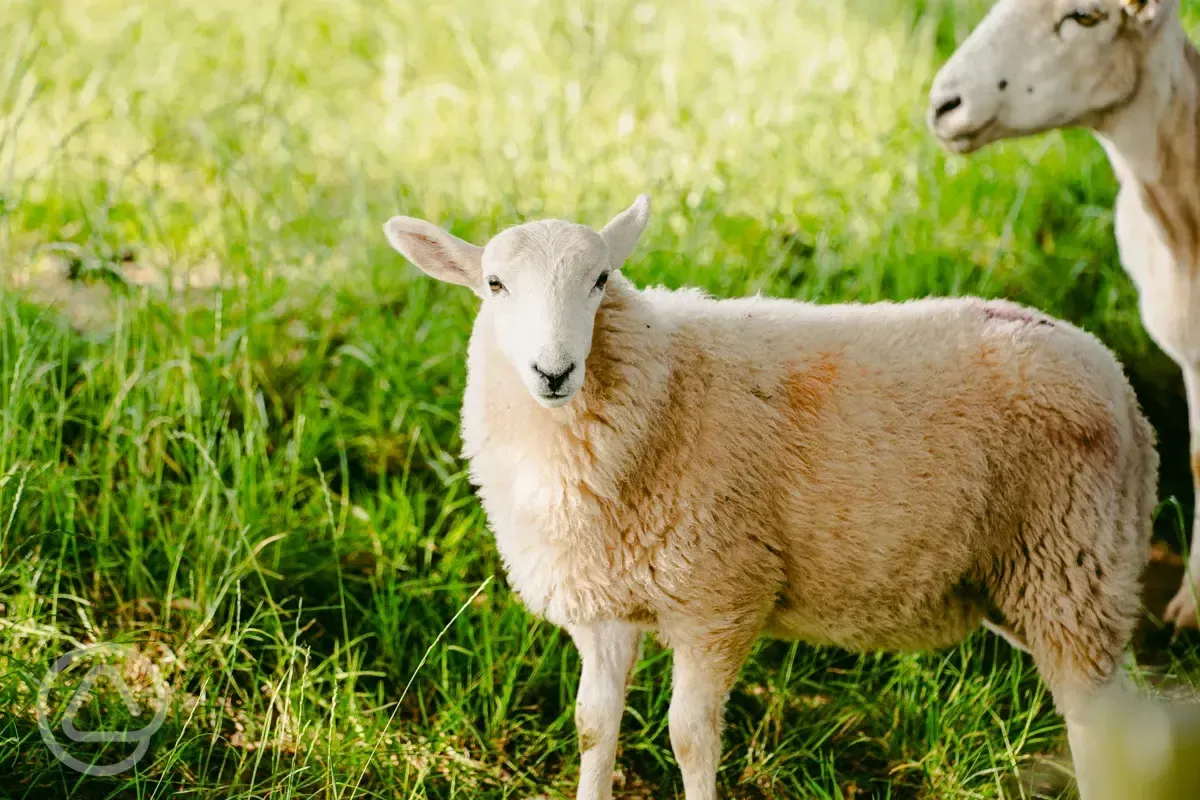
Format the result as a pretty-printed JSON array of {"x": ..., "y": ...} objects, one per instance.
[{"x": 228, "y": 413}]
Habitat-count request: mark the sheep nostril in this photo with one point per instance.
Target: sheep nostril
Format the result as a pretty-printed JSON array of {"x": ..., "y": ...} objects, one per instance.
[
  {"x": 948, "y": 106},
  {"x": 554, "y": 381}
]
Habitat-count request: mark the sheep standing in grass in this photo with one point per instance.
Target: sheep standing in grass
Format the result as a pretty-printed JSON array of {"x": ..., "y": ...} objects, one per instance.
[{"x": 868, "y": 476}]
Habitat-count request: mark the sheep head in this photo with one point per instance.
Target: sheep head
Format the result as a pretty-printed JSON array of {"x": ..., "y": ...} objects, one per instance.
[
  {"x": 1036, "y": 65},
  {"x": 541, "y": 284}
]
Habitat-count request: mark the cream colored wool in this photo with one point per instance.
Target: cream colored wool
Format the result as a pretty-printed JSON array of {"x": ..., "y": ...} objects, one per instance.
[{"x": 868, "y": 476}]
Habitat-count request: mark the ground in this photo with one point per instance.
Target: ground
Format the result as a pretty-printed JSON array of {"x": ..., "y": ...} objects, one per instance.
[{"x": 228, "y": 412}]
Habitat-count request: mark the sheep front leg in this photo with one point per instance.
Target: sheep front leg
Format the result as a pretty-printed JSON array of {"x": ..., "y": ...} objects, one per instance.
[
  {"x": 609, "y": 650},
  {"x": 1182, "y": 610},
  {"x": 704, "y": 673}
]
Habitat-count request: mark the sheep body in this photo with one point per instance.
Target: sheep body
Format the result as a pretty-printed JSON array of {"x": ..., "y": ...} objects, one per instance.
[{"x": 870, "y": 476}]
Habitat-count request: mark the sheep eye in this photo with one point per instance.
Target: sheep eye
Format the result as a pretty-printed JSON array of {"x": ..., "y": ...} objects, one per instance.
[
  {"x": 602, "y": 280},
  {"x": 1088, "y": 18},
  {"x": 494, "y": 284}
]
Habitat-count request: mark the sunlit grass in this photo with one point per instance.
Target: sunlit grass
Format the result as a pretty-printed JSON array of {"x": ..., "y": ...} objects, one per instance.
[{"x": 228, "y": 412}]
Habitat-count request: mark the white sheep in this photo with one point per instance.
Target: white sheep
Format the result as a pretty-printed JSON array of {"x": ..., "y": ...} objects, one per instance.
[
  {"x": 869, "y": 476},
  {"x": 1125, "y": 69}
]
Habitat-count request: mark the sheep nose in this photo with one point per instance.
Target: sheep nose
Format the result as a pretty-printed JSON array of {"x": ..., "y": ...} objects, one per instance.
[
  {"x": 944, "y": 105},
  {"x": 554, "y": 381}
]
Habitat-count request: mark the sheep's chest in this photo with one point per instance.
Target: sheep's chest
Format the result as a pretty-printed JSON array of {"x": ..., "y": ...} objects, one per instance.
[
  {"x": 551, "y": 537},
  {"x": 541, "y": 477}
]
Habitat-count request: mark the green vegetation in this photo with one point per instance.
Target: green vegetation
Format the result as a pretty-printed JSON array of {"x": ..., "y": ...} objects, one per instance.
[{"x": 228, "y": 412}]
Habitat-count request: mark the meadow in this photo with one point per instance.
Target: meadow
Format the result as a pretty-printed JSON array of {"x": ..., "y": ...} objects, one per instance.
[{"x": 228, "y": 411}]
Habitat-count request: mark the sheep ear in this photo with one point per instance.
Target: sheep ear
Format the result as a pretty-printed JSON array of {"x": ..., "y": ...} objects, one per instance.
[
  {"x": 1147, "y": 11},
  {"x": 436, "y": 253},
  {"x": 622, "y": 234}
]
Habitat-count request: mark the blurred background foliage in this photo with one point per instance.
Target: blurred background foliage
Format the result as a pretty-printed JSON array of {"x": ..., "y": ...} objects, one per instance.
[{"x": 228, "y": 412}]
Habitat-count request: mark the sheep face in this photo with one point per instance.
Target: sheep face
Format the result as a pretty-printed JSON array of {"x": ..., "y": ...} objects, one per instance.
[
  {"x": 544, "y": 283},
  {"x": 1035, "y": 65},
  {"x": 541, "y": 285}
]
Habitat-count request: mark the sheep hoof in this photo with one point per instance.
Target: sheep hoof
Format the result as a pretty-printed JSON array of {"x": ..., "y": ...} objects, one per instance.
[{"x": 1181, "y": 612}]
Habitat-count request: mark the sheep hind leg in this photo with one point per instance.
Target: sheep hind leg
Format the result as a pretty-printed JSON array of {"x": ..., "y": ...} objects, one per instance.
[
  {"x": 1089, "y": 697},
  {"x": 1092, "y": 713},
  {"x": 1129, "y": 745},
  {"x": 1071, "y": 595},
  {"x": 1083, "y": 696},
  {"x": 1181, "y": 612}
]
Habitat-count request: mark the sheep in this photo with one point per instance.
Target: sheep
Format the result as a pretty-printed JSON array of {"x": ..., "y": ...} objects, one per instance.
[
  {"x": 1125, "y": 69},
  {"x": 887, "y": 476}
]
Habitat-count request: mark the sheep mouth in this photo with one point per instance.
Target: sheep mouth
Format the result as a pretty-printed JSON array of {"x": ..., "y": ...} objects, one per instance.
[
  {"x": 554, "y": 399},
  {"x": 967, "y": 142}
]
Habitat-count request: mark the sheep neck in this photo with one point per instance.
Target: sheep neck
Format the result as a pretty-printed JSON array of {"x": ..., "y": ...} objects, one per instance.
[
  {"x": 1153, "y": 142},
  {"x": 627, "y": 366}
]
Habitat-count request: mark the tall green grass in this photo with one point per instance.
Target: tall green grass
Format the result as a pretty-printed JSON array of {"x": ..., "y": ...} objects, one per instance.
[{"x": 228, "y": 412}]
